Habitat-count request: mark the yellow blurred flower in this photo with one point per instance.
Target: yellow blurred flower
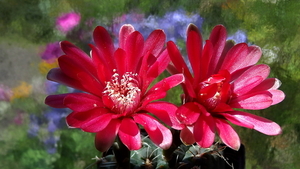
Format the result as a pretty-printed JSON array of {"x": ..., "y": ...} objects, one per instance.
[
  {"x": 21, "y": 91},
  {"x": 44, "y": 66}
]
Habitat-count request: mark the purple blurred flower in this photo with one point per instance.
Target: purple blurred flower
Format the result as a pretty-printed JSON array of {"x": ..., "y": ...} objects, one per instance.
[
  {"x": 172, "y": 23},
  {"x": 239, "y": 37},
  {"x": 56, "y": 118},
  {"x": 34, "y": 125},
  {"x": 51, "y": 144},
  {"x": 5, "y": 93},
  {"x": 51, "y": 52},
  {"x": 51, "y": 87},
  {"x": 66, "y": 22}
]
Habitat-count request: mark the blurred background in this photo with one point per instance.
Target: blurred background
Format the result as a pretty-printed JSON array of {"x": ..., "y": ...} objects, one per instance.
[{"x": 34, "y": 135}]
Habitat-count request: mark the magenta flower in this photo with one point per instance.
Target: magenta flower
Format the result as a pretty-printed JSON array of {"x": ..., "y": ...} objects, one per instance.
[
  {"x": 5, "y": 93},
  {"x": 66, "y": 22},
  {"x": 225, "y": 79},
  {"x": 52, "y": 52},
  {"x": 115, "y": 83}
]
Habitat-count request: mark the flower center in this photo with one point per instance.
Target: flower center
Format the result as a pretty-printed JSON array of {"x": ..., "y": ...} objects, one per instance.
[
  {"x": 215, "y": 92},
  {"x": 124, "y": 92}
]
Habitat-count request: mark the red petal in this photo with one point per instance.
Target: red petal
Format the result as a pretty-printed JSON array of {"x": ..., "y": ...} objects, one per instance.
[
  {"x": 157, "y": 67},
  {"x": 72, "y": 50},
  {"x": 178, "y": 61},
  {"x": 244, "y": 85},
  {"x": 155, "y": 42},
  {"x": 165, "y": 112},
  {"x": 253, "y": 101},
  {"x": 227, "y": 134},
  {"x": 187, "y": 136},
  {"x": 237, "y": 119},
  {"x": 194, "y": 49},
  {"x": 129, "y": 134},
  {"x": 277, "y": 96},
  {"x": 105, "y": 44},
  {"x": 58, "y": 76},
  {"x": 91, "y": 84},
  {"x": 204, "y": 130},
  {"x": 105, "y": 138},
  {"x": 254, "y": 54},
  {"x": 56, "y": 101},
  {"x": 97, "y": 123},
  {"x": 188, "y": 113},
  {"x": 267, "y": 84},
  {"x": 104, "y": 71},
  {"x": 77, "y": 119},
  {"x": 71, "y": 65},
  {"x": 218, "y": 40},
  {"x": 235, "y": 57},
  {"x": 205, "y": 61},
  {"x": 80, "y": 102},
  {"x": 159, "y": 90},
  {"x": 125, "y": 31},
  {"x": 161, "y": 136},
  {"x": 260, "y": 124},
  {"x": 145, "y": 120},
  {"x": 250, "y": 78},
  {"x": 134, "y": 45},
  {"x": 120, "y": 57}
]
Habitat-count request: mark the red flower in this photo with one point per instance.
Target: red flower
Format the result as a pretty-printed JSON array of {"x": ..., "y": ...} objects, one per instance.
[
  {"x": 115, "y": 84},
  {"x": 225, "y": 78}
]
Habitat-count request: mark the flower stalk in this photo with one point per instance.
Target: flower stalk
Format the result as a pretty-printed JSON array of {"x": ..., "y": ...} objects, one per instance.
[{"x": 122, "y": 154}]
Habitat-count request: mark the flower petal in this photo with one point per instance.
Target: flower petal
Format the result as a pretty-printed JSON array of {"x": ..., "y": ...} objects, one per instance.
[
  {"x": 129, "y": 134},
  {"x": 235, "y": 57},
  {"x": 145, "y": 120},
  {"x": 187, "y": 136},
  {"x": 106, "y": 137},
  {"x": 253, "y": 101},
  {"x": 96, "y": 124},
  {"x": 134, "y": 45},
  {"x": 251, "y": 77},
  {"x": 77, "y": 119},
  {"x": 125, "y": 31},
  {"x": 204, "y": 130},
  {"x": 277, "y": 96},
  {"x": 165, "y": 112},
  {"x": 160, "y": 64},
  {"x": 82, "y": 101},
  {"x": 155, "y": 42},
  {"x": 159, "y": 90},
  {"x": 105, "y": 45},
  {"x": 178, "y": 61},
  {"x": 58, "y": 76},
  {"x": 205, "y": 61},
  {"x": 72, "y": 50},
  {"x": 188, "y": 113},
  {"x": 71, "y": 66},
  {"x": 161, "y": 136},
  {"x": 260, "y": 124},
  {"x": 120, "y": 57},
  {"x": 194, "y": 49},
  {"x": 104, "y": 71},
  {"x": 267, "y": 84},
  {"x": 218, "y": 40},
  {"x": 227, "y": 134},
  {"x": 56, "y": 101}
]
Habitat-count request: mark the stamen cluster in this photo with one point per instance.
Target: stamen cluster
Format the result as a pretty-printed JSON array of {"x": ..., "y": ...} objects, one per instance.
[{"x": 124, "y": 92}]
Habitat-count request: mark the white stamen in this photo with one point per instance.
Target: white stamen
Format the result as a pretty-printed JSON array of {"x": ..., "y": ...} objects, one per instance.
[{"x": 125, "y": 93}]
